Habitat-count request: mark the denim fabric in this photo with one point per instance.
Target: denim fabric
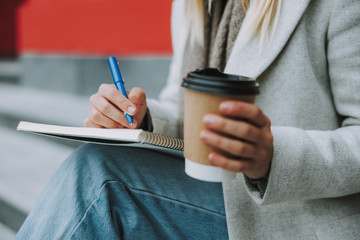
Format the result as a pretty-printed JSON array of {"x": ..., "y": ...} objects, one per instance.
[{"x": 111, "y": 192}]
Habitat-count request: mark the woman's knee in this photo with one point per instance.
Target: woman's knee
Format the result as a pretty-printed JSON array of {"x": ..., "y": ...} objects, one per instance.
[
  {"x": 97, "y": 159},
  {"x": 88, "y": 158},
  {"x": 131, "y": 166},
  {"x": 87, "y": 151}
]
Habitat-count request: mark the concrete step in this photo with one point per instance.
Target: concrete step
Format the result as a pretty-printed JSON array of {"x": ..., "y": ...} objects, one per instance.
[
  {"x": 84, "y": 74},
  {"x": 27, "y": 163},
  {"x": 25, "y": 103},
  {"x": 6, "y": 233},
  {"x": 10, "y": 70}
]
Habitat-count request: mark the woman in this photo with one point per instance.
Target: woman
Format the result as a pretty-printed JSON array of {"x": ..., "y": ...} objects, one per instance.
[{"x": 297, "y": 179}]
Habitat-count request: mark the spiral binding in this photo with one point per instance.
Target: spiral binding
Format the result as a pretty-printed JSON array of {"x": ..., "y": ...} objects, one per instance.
[{"x": 163, "y": 141}]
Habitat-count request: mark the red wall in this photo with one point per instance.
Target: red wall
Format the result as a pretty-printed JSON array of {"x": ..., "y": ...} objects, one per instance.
[{"x": 119, "y": 27}]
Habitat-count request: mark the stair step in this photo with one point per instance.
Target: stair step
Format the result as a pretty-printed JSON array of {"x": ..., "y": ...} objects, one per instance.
[
  {"x": 27, "y": 164},
  {"x": 6, "y": 233},
  {"x": 84, "y": 74},
  {"x": 24, "y": 103},
  {"x": 9, "y": 68}
]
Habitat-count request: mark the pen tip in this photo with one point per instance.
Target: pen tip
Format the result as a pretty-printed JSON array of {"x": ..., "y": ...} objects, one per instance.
[{"x": 129, "y": 118}]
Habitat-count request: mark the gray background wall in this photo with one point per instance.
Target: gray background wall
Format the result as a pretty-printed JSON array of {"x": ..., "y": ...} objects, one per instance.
[{"x": 83, "y": 75}]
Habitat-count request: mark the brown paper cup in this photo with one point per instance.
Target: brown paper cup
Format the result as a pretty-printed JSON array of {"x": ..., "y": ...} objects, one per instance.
[{"x": 197, "y": 103}]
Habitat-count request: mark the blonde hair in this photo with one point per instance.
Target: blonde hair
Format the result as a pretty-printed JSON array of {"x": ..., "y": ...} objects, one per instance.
[{"x": 262, "y": 17}]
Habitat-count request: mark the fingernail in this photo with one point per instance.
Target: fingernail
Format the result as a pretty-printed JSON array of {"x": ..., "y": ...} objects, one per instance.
[
  {"x": 226, "y": 106},
  {"x": 213, "y": 158},
  {"x": 205, "y": 135},
  {"x": 209, "y": 119},
  {"x": 131, "y": 110},
  {"x": 133, "y": 124}
]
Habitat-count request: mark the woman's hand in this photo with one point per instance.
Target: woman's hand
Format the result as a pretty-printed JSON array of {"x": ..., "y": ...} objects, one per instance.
[
  {"x": 243, "y": 133},
  {"x": 108, "y": 105}
]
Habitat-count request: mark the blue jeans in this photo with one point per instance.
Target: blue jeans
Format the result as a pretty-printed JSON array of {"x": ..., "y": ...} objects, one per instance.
[{"x": 111, "y": 192}]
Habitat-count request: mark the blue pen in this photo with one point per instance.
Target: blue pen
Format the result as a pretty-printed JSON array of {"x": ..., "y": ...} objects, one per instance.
[{"x": 119, "y": 82}]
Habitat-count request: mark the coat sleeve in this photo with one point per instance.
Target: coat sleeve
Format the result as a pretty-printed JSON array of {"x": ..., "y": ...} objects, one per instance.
[
  {"x": 324, "y": 164},
  {"x": 165, "y": 110}
]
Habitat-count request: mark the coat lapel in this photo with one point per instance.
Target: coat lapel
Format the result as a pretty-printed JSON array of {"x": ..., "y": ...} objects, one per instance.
[{"x": 247, "y": 60}]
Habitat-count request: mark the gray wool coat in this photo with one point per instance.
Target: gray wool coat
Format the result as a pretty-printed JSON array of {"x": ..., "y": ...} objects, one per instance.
[{"x": 310, "y": 89}]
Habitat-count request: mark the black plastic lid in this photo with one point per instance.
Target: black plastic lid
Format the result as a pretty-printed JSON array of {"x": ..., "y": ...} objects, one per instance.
[{"x": 211, "y": 80}]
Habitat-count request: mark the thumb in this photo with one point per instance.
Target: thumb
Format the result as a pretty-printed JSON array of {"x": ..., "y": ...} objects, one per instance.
[{"x": 138, "y": 97}]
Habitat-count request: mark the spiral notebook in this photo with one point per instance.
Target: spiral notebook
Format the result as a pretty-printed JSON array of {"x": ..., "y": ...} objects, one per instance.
[{"x": 128, "y": 137}]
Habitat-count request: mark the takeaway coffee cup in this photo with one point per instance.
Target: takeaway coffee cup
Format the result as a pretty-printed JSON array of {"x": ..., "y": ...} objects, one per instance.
[{"x": 204, "y": 90}]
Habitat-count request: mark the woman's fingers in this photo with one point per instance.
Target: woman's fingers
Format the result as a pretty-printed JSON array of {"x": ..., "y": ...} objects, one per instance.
[
  {"x": 107, "y": 109},
  {"x": 238, "y": 165},
  {"x": 234, "y": 128},
  {"x": 235, "y": 147},
  {"x": 110, "y": 92},
  {"x": 242, "y": 134},
  {"x": 245, "y": 111},
  {"x": 98, "y": 118},
  {"x": 109, "y": 105},
  {"x": 90, "y": 124},
  {"x": 137, "y": 96},
  {"x": 253, "y": 169}
]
